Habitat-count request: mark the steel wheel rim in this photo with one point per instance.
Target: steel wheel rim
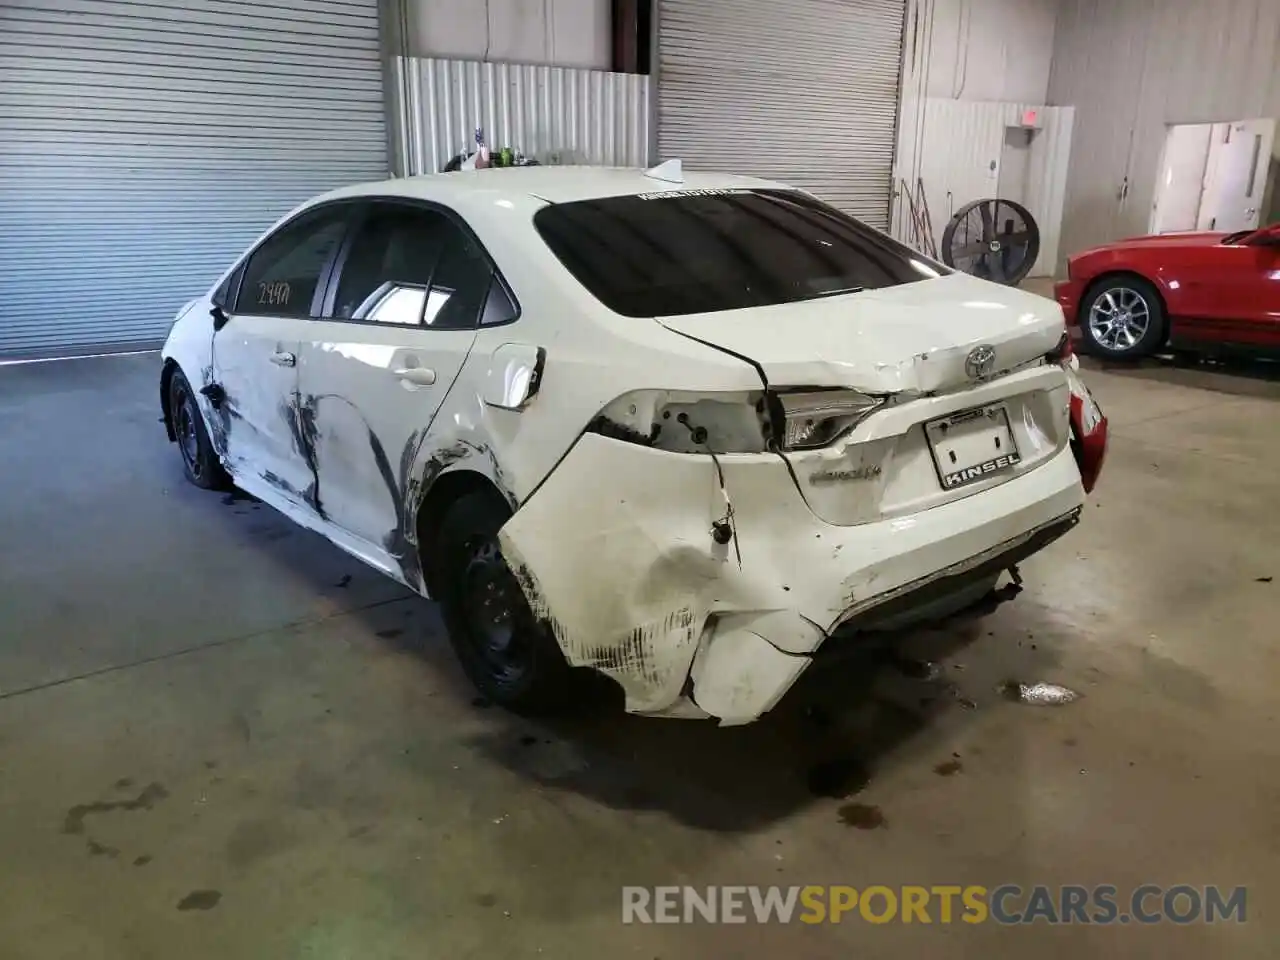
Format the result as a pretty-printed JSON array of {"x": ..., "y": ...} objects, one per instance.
[
  {"x": 1119, "y": 319},
  {"x": 495, "y": 612},
  {"x": 185, "y": 428}
]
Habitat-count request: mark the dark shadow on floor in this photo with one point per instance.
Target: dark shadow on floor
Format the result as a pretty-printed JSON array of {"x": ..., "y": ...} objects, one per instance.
[{"x": 843, "y": 721}]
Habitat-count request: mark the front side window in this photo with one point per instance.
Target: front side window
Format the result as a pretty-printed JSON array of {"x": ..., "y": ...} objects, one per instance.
[
  {"x": 673, "y": 253},
  {"x": 281, "y": 276},
  {"x": 412, "y": 267}
]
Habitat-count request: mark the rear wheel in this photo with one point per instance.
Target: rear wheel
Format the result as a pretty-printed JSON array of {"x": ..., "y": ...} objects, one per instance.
[
  {"x": 1122, "y": 318},
  {"x": 199, "y": 459},
  {"x": 509, "y": 656}
]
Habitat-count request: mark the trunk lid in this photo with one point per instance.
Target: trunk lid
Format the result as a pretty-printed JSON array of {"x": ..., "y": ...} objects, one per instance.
[
  {"x": 944, "y": 433},
  {"x": 914, "y": 337}
]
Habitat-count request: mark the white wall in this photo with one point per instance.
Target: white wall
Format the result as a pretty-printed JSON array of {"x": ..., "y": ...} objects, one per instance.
[
  {"x": 1133, "y": 67},
  {"x": 563, "y": 33},
  {"x": 995, "y": 52},
  {"x": 963, "y": 140},
  {"x": 554, "y": 114},
  {"x": 990, "y": 49}
]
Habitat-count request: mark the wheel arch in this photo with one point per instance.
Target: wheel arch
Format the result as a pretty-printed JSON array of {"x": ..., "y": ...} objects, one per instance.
[
  {"x": 166, "y": 407},
  {"x": 446, "y": 490}
]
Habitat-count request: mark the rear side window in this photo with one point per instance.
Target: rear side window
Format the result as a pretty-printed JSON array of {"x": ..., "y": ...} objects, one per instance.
[
  {"x": 460, "y": 284},
  {"x": 281, "y": 276},
  {"x": 498, "y": 306},
  {"x": 412, "y": 267},
  {"x": 673, "y": 253}
]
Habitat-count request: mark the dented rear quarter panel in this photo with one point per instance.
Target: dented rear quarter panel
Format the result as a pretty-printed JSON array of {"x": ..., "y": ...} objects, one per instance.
[{"x": 628, "y": 574}]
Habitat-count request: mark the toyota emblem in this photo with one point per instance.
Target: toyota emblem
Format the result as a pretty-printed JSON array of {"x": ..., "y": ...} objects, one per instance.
[{"x": 980, "y": 362}]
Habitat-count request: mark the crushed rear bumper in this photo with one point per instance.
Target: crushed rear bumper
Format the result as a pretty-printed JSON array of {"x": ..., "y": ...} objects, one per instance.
[{"x": 616, "y": 553}]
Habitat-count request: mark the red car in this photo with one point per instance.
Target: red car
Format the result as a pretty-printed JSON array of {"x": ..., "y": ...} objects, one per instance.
[{"x": 1199, "y": 292}]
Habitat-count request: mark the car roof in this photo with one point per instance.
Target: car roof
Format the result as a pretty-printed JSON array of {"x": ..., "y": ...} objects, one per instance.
[{"x": 548, "y": 184}]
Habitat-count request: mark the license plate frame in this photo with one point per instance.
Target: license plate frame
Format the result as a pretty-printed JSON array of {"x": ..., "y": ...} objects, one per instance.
[{"x": 972, "y": 445}]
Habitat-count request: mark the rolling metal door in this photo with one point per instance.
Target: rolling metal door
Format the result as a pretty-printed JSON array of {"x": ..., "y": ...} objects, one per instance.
[
  {"x": 144, "y": 144},
  {"x": 805, "y": 92}
]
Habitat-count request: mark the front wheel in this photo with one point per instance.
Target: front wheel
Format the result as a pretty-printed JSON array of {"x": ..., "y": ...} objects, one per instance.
[
  {"x": 199, "y": 459},
  {"x": 1122, "y": 318},
  {"x": 510, "y": 657}
]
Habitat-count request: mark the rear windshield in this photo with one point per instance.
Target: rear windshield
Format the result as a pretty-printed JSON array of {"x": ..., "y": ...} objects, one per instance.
[{"x": 701, "y": 251}]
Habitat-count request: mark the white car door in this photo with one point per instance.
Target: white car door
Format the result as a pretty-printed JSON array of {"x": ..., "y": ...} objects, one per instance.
[
  {"x": 401, "y": 314},
  {"x": 255, "y": 353}
]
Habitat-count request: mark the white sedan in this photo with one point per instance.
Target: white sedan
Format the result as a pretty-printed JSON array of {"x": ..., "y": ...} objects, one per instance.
[{"x": 681, "y": 430}]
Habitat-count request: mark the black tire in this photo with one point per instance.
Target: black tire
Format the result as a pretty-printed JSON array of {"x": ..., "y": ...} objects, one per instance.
[
  {"x": 510, "y": 657},
  {"x": 1122, "y": 318},
  {"x": 199, "y": 460}
]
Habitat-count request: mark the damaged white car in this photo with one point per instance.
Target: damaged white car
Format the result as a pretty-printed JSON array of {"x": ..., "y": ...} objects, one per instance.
[{"x": 691, "y": 432}]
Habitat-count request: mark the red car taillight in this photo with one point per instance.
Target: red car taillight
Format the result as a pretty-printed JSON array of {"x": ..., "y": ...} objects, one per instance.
[{"x": 1088, "y": 429}]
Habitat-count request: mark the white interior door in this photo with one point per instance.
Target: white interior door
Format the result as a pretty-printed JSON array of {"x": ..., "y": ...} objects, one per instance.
[
  {"x": 1237, "y": 175},
  {"x": 1181, "y": 181}
]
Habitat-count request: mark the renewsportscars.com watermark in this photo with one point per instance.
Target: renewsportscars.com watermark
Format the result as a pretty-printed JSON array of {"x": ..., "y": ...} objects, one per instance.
[{"x": 1007, "y": 904}]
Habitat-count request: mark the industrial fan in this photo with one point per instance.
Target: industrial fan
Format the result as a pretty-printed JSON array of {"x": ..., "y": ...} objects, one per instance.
[{"x": 996, "y": 240}]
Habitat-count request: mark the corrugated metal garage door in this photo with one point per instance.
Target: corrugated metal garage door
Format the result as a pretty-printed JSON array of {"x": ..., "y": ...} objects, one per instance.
[
  {"x": 144, "y": 144},
  {"x": 804, "y": 91}
]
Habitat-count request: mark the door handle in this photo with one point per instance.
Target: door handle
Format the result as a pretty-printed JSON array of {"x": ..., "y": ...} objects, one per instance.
[
  {"x": 282, "y": 358},
  {"x": 421, "y": 376}
]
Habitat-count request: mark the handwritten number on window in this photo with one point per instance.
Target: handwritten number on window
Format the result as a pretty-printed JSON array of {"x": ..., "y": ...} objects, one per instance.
[{"x": 273, "y": 294}]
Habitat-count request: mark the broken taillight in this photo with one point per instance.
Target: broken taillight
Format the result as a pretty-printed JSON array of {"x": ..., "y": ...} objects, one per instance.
[
  {"x": 1088, "y": 427},
  {"x": 1063, "y": 352},
  {"x": 732, "y": 422},
  {"x": 687, "y": 422}
]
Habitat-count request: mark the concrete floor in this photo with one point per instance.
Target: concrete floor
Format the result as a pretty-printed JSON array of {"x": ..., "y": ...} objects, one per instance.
[{"x": 220, "y": 737}]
